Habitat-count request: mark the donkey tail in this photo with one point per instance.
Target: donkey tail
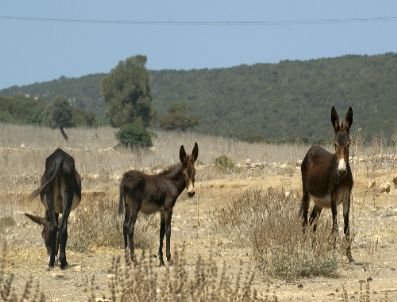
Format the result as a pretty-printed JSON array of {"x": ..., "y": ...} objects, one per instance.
[
  {"x": 58, "y": 164},
  {"x": 121, "y": 197}
]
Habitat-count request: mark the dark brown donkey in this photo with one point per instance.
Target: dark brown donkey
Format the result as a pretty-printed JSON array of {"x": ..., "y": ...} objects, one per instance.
[
  {"x": 156, "y": 193},
  {"x": 327, "y": 178},
  {"x": 60, "y": 192}
]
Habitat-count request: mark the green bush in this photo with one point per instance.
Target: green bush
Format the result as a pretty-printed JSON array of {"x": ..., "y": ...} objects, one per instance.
[
  {"x": 225, "y": 163},
  {"x": 134, "y": 135}
]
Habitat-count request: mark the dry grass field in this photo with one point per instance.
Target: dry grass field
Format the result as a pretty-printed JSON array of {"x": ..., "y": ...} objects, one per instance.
[{"x": 238, "y": 239}]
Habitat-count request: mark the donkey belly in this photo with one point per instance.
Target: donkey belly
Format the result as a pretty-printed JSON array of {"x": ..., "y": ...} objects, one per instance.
[
  {"x": 325, "y": 201},
  {"x": 59, "y": 203},
  {"x": 149, "y": 207}
]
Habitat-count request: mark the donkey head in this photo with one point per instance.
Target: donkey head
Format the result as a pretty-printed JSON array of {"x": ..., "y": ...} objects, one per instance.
[
  {"x": 342, "y": 139},
  {"x": 46, "y": 229},
  {"x": 189, "y": 171}
]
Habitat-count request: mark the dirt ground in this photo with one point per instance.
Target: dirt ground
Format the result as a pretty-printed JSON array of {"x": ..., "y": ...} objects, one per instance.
[{"x": 374, "y": 223}]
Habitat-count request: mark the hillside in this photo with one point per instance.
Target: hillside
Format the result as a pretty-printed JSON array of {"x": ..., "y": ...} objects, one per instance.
[
  {"x": 19, "y": 109},
  {"x": 285, "y": 101}
]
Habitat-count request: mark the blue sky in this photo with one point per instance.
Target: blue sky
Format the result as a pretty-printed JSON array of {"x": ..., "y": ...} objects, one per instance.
[{"x": 39, "y": 51}]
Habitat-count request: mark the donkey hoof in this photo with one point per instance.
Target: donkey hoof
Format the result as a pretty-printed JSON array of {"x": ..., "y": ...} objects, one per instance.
[
  {"x": 64, "y": 265},
  {"x": 49, "y": 268}
]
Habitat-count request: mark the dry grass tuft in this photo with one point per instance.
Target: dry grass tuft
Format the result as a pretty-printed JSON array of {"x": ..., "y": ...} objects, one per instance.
[
  {"x": 97, "y": 223},
  {"x": 6, "y": 222},
  {"x": 269, "y": 222},
  {"x": 203, "y": 281}
]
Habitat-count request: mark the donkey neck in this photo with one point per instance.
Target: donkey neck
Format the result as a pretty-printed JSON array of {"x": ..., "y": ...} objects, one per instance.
[{"x": 176, "y": 177}]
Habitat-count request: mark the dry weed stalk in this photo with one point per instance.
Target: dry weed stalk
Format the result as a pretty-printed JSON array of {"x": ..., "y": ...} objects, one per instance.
[
  {"x": 8, "y": 291},
  {"x": 203, "y": 281},
  {"x": 364, "y": 294}
]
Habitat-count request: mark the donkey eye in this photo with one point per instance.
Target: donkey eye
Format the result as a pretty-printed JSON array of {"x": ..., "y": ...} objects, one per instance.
[{"x": 335, "y": 145}]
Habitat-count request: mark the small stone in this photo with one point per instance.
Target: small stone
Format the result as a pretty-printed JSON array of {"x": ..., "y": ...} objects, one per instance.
[
  {"x": 110, "y": 276},
  {"x": 385, "y": 188},
  {"x": 395, "y": 181},
  {"x": 284, "y": 165},
  {"x": 58, "y": 275},
  {"x": 300, "y": 285},
  {"x": 371, "y": 184},
  {"x": 369, "y": 279},
  {"x": 77, "y": 268}
]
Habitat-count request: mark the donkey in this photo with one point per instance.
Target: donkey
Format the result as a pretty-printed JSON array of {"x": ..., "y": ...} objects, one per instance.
[
  {"x": 60, "y": 193},
  {"x": 327, "y": 178},
  {"x": 156, "y": 193}
]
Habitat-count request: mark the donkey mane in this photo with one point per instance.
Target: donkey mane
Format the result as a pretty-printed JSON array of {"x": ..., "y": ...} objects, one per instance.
[{"x": 171, "y": 171}]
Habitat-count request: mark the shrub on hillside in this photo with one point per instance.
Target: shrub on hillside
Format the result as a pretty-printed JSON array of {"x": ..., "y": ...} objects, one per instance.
[
  {"x": 134, "y": 135},
  {"x": 225, "y": 163}
]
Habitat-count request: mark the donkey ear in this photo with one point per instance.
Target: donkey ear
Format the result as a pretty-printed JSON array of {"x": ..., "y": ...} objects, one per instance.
[
  {"x": 195, "y": 151},
  {"x": 182, "y": 155},
  {"x": 348, "y": 119},
  {"x": 37, "y": 219},
  {"x": 335, "y": 119}
]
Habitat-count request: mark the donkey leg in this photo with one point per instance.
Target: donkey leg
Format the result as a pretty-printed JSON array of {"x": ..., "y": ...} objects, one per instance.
[
  {"x": 57, "y": 243},
  {"x": 168, "y": 235},
  {"x": 50, "y": 217},
  {"x": 314, "y": 217},
  {"x": 126, "y": 224},
  {"x": 131, "y": 227},
  {"x": 334, "y": 210},
  {"x": 304, "y": 208},
  {"x": 63, "y": 231},
  {"x": 162, "y": 232},
  {"x": 346, "y": 211}
]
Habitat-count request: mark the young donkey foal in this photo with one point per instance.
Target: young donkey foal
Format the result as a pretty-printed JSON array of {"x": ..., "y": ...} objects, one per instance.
[
  {"x": 327, "y": 178},
  {"x": 156, "y": 193},
  {"x": 60, "y": 192}
]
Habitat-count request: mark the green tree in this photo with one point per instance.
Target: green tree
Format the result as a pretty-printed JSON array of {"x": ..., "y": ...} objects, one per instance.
[
  {"x": 126, "y": 92},
  {"x": 177, "y": 118},
  {"x": 58, "y": 113}
]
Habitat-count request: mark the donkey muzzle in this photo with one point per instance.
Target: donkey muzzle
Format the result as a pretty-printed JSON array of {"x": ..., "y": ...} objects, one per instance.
[{"x": 341, "y": 167}]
